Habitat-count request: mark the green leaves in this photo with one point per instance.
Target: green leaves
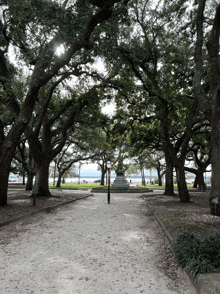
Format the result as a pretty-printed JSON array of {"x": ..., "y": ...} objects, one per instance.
[{"x": 198, "y": 256}]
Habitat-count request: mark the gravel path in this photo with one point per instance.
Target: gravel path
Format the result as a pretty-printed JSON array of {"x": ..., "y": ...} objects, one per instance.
[{"x": 88, "y": 247}]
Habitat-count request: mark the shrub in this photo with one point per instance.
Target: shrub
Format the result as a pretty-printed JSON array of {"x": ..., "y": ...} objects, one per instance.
[
  {"x": 210, "y": 249},
  {"x": 186, "y": 247},
  {"x": 198, "y": 256},
  {"x": 199, "y": 266}
]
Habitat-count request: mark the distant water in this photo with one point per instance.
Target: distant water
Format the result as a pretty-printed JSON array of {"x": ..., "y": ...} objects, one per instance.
[{"x": 131, "y": 180}]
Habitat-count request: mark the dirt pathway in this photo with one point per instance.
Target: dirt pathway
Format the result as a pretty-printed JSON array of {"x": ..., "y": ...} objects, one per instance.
[{"x": 88, "y": 247}]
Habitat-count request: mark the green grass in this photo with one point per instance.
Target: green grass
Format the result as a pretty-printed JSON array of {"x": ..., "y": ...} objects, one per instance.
[
  {"x": 151, "y": 186},
  {"x": 91, "y": 186},
  {"x": 15, "y": 186},
  {"x": 79, "y": 186},
  {"x": 155, "y": 186}
]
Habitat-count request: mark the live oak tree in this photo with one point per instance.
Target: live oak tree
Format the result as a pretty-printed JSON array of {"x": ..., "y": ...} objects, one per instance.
[
  {"x": 207, "y": 49},
  {"x": 34, "y": 30},
  {"x": 137, "y": 166},
  {"x": 83, "y": 146},
  {"x": 155, "y": 160},
  {"x": 144, "y": 133},
  {"x": 90, "y": 144},
  {"x": 63, "y": 121},
  {"x": 147, "y": 160},
  {"x": 23, "y": 156},
  {"x": 199, "y": 153},
  {"x": 158, "y": 56},
  {"x": 106, "y": 150},
  {"x": 108, "y": 154}
]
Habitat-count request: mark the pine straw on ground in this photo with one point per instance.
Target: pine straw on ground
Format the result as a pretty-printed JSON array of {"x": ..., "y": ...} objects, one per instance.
[
  {"x": 20, "y": 202},
  {"x": 178, "y": 217}
]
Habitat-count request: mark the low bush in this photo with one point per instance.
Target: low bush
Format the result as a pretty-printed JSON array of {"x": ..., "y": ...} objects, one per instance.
[
  {"x": 210, "y": 249},
  {"x": 198, "y": 256}
]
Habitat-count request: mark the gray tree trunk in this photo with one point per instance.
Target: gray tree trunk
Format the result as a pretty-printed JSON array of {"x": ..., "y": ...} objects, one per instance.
[
  {"x": 181, "y": 183},
  {"x": 169, "y": 189},
  {"x": 41, "y": 187}
]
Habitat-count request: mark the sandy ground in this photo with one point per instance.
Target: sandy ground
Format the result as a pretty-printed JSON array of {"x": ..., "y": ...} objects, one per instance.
[{"x": 88, "y": 247}]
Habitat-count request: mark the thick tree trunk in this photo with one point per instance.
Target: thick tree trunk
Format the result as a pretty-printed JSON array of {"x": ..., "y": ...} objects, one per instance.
[
  {"x": 160, "y": 184},
  {"x": 159, "y": 177},
  {"x": 169, "y": 189},
  {"x": 7, "y": 151},
  {"x": 196, "y": 182},
  {"x": 214, "y": 78},
  {"x": 199, "y": 173},
  {"x": 4, "y": 175},
  {"x": 54, "y": 172},
  {"x": 29, "y": 184},
  {"x": 58, "y": 185},
  {"x": 143, "y": 177},
  {"x": 181, "y": 182},
  {"x": 215, "y": 143},
  {"x": 41, "y": 187},
  {"x": 23, "y": 179},
  {"x": 201, "y": 181},
  {"x": 103, "y": 171}
]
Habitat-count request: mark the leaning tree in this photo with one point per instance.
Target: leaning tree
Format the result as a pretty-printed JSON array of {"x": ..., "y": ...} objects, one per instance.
[{"x": 35, "y": 32}]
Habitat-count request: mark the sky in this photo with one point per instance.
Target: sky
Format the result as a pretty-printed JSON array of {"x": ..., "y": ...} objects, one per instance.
[
  {"x": 90, "y": 173},
  {"x": 89, "y": 170}
]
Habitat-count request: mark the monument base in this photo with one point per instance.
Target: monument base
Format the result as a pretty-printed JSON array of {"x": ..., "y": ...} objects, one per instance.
[
  {"x": 120, "y": 181},
  {"x": 122, "y": 190},
  {"x": 120, "y": 185}
]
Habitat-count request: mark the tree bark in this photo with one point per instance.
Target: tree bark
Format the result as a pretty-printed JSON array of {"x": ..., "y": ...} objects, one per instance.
[
  {"x": 58, "y": 185},
  {"x": 214, "y": 199},
  {"x": 159, "y": 178},
  {"x": 169, "y": 189},
  {"x": 143, "y": 177},
  {"x": 214, "y": 82},
  {"x": 103, "y": 172},
  {"x": 4, "y": 175},
  {"x": 60, "y": 175},
  {"x": 214, "y": 78},
  {"x": 41, "y": 187},
  {"x": 23, "y": 181},
  {"x": 201, "y": 181},
  {"x": 195, "y": 184},
  {"x": 29, "y": 184},
  {"x": 7, "y": 149},
  {"x": 181, "y": 182}
]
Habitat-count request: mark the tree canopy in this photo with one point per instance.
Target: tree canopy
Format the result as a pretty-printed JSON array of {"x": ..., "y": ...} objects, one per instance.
[{"x": 161, "y": 66}]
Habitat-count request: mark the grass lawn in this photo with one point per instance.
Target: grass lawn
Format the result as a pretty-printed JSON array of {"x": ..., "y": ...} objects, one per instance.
[
  {"x": 161, "y": 187},
  {"x": 79, "y": 186},
  {"x": 91, "y": 186}
]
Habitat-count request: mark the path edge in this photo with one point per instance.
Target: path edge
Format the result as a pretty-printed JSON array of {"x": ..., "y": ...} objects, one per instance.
[
  {"x": 39, "y": 211},
  {"x": 202, "y": 282}
]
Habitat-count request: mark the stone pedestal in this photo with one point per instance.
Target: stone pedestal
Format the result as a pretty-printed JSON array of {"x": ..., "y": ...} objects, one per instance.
[{"x": 120, "y": 181}]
